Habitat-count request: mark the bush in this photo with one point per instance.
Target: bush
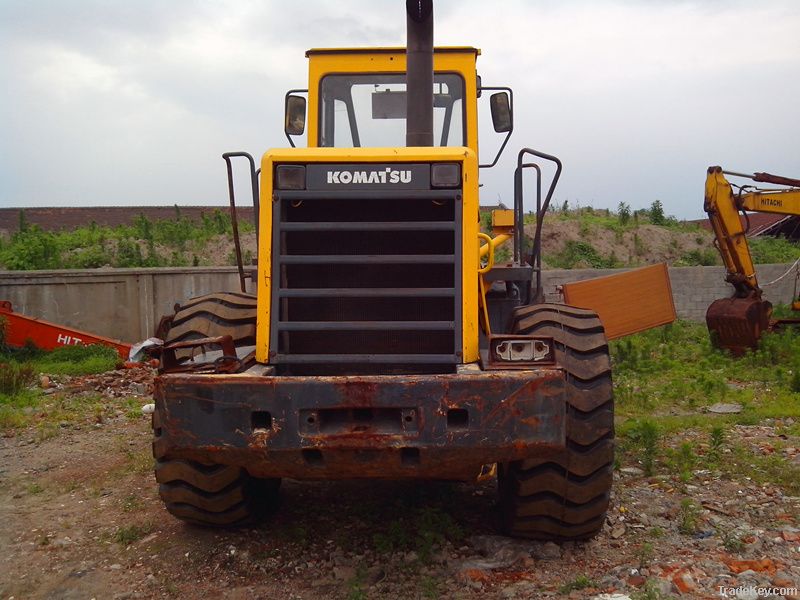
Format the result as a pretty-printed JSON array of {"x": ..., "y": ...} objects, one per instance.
[
  {"x": 577, "y": 252},
  {"x": 15, "y": 377},
  {"x": 769, "y": 250},
  {"x": 698, "y": 257}
]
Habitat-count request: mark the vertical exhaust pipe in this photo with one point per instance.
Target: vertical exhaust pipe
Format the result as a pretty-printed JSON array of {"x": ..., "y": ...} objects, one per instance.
[{"x": 419, "y": 73}]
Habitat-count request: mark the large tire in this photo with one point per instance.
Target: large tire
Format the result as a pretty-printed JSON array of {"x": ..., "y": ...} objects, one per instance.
[
  {"x": 211, "y": 494},
  {"x": 564, "y": 494},
  {"x": 214, "y": 315}
]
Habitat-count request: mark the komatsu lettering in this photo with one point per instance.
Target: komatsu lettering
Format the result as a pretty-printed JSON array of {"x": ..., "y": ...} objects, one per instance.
[{"x": 388, "y": 175}]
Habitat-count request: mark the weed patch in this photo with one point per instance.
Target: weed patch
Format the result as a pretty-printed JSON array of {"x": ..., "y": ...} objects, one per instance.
[
  {"x": 578, "y": 254},
  {"x": 14, "y": 377},
  {"x": 666, "y": 378},
  {"x": 644, "y": 437},
  {"x": 22, "y": 405},
  {"x": 581, "y": 582},
  {"x": 129, "y": 534},
  {"x": 687, "y": 517}
]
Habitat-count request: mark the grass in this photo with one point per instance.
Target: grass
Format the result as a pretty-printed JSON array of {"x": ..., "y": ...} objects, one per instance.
[
  {"x": 138, "y": 461},
  {"x": 645, "y": 554},
  {"x": 688, "y": 516},
  {"x": 129, "y": 534},
  {"x": 15, "y": 377},
  {"x": 420, "y": 530},
  {"x": 666, "y": 378},
  {"x": 355, "y": 586},
  {"x": 74, "y": 360},
  {"x": 23, "y": 404},
  {"x": 429, "y": 587},
  {"x": 581, "y": 253},
  {"x": 770, "y": 250},
  {"x": 648, "y": 592},
  {"x": 35, "y": 488},
  {"x": 581, "y": 582}
]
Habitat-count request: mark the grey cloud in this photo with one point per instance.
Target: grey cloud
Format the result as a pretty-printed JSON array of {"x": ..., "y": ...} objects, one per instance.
[{"x": 133, "y": 102}]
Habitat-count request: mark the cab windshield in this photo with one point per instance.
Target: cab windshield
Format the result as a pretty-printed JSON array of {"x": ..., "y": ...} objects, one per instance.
[{"x": 369, "y": 110}]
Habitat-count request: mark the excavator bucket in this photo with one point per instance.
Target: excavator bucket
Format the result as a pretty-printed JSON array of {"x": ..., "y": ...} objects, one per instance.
[{"x": 736, "y": 324}]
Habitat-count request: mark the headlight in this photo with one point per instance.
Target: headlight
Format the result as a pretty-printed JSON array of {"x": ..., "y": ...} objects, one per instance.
[
  {"x": 445, "y": 175},
  {"x": 290, "y": 177}
]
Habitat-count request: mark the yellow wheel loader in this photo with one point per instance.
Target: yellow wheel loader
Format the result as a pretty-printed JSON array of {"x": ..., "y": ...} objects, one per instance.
[{"x": 382, "y": 339}]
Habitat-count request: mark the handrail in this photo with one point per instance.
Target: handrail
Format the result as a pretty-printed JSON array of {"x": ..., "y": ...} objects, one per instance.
[
  {"x": 536, "y": 252},
  {"x": 227, "y": 156}
]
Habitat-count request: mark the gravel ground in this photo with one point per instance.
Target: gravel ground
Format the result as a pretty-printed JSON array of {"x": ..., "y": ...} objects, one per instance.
[{"x": 81, "y": 519}]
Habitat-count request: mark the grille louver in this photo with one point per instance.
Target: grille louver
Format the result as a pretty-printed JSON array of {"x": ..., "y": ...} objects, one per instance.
[{"x": 366, "y": 281}]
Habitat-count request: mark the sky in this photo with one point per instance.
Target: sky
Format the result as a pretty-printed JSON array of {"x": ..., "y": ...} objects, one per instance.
[{"x": 115, "y": 103}]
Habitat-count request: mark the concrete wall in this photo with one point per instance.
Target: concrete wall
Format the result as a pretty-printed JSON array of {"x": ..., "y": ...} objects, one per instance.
[
  {"x": 124, "y": 304},
  {"x": 127, "y": 304}
]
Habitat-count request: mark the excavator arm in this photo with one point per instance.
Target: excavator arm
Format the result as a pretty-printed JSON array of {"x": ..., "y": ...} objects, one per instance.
[{"x": 737, "y": 323}]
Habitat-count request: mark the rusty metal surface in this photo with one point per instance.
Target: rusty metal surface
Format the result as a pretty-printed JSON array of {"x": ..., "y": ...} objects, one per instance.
[
  {"x": 423, "y": 426},
  {"x": 736, "y": 324},
  {"x": 781, "y": 324},
  {"x": 225, "y": 361},
  {"x": 777, "y": 179}
]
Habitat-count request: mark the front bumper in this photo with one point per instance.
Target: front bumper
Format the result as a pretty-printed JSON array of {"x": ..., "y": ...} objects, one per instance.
[{"x": 411, "y": 426}]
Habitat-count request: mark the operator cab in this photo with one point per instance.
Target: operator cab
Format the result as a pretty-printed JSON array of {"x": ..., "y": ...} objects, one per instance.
[{"x": 357, "y": 98}]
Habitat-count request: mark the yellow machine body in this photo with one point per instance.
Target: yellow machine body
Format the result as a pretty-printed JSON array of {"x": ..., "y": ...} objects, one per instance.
[
  {"x": 322, "y": 62},
  {"x": 469, "y": 172}
]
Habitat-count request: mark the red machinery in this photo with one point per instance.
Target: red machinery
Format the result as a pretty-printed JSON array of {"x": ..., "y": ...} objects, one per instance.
[{"x": 48, "y": 336}]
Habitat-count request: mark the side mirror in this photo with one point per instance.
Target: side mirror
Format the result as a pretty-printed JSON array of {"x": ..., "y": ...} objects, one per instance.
[
  {"x": 295, "y": 118},
  {"x": 501, "y": 112}
]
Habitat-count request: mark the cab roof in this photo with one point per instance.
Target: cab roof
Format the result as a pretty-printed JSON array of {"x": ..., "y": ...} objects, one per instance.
[{"x": 392, "y": 50}]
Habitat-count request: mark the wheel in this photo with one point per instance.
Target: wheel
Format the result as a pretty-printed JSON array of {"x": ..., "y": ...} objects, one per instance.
[
  {"x": 214, "y": 315},
  {"x": 211, "y": 494},
  {"x": 564, "y": 494}
]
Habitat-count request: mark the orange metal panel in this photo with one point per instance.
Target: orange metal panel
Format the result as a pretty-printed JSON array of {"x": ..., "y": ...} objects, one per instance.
[{"x": 627, "y": 302}]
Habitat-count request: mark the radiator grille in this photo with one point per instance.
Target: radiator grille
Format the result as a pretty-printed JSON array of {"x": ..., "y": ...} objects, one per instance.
[{"x": 366, "y": 282}]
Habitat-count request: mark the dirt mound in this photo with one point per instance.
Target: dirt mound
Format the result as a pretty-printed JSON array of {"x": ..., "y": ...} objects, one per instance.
[{"x": 620, "y": 247}]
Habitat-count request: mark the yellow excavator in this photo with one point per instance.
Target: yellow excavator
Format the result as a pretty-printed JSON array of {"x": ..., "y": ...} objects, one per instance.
[{"x": 737, "y": 323}]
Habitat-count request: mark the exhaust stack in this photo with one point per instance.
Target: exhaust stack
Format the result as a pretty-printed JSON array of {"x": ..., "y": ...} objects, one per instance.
[{"x": 419, "y": 73}]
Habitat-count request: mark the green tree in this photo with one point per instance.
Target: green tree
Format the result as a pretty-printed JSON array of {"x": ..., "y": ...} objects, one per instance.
[
  {"x": 657, "y": 213},
  {"x": 143, "y": 227},
  {"x": 623, "y": 213}
]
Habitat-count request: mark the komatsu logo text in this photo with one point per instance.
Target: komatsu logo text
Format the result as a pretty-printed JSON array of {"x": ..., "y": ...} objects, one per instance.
[{"x": 388, "y": 175}]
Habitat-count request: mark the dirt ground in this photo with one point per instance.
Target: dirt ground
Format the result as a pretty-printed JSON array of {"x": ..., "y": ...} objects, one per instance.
[{"x": 81, "y": 518}]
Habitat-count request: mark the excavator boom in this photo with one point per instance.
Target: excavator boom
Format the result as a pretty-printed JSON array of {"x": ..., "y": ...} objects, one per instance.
[{"x": 737, "y": 323}]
